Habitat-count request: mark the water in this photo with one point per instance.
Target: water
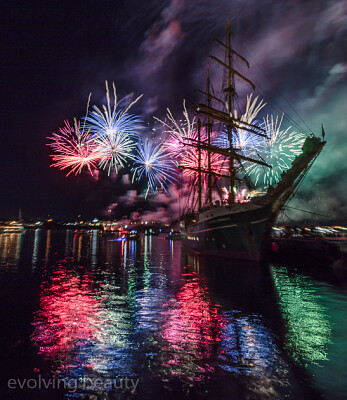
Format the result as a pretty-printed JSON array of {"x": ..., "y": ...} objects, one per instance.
[{"x": 90, "y": 317}]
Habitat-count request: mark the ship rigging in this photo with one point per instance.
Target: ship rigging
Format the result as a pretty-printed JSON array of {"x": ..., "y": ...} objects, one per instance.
[{"x": 234, "y": 228}]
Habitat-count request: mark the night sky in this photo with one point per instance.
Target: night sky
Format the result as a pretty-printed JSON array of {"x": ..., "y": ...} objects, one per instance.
[{"x": 54, "y": 53}]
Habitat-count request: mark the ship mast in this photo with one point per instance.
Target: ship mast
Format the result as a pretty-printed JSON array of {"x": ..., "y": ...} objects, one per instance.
[
  {"x": 199, "y": 163},
  {"x": 227, "y": 118},
  {"x": 230, "y": 90},
  {"x": 209, "y": 126}
]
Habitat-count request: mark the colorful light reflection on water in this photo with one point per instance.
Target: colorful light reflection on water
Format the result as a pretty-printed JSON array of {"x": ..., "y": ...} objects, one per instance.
[
  {"x": 316, "y": 317},
  {"x": 10, "y": 244},
  {"x": 68, "y": 319},
  {"x": 309, "y": 328},
  {"x": 192, "y": 330},
  {"x": 145, "y": 309}
]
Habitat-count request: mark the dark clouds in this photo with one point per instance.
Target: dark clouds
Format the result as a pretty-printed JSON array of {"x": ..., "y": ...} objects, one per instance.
[{"x": 55, "y": 53}]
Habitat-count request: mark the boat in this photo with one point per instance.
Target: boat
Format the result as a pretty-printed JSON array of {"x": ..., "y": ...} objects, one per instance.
[
  {"x": 236, "y": 227},
  {"x": 175, "y": 235},
  {"x": 12, "y": 227},
  {"x": 133, "y": 235},
  {"x": 152, "y": 232}
]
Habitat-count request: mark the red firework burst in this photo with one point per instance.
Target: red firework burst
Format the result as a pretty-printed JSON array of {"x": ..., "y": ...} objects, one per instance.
[{"x": 74, "y": 149}]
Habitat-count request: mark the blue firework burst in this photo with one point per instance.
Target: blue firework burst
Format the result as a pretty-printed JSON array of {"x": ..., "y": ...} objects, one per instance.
[{"x": 152, "y": 163}]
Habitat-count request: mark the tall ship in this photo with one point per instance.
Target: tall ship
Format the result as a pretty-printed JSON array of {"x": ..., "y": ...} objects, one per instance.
[{"x": 235, "y": 226}]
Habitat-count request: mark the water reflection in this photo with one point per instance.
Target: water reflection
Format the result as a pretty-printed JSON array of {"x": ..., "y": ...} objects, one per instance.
[
  {"x": 48, "y": 247},
  {"x": 36, "y": 246},
  {"x": 184, "y": 325},
  {"x": 68, "y": 243},
  {"x": 94, "y": 246},
  {"x": 142, "y": 312},
  {"x": 91, "y": 322},
  {"x": 234, "y": 334},
  {"x": 192, "y": 330},
  {"x": 68, "y": 318},
  {"x": 309, "y": 328},
  {"x": 316, "y": 317},
  {"x": 10, "y": 246}
]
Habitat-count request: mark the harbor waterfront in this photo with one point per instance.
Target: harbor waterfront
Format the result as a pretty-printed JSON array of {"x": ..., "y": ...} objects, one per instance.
[{"x": 86, "y": 315}]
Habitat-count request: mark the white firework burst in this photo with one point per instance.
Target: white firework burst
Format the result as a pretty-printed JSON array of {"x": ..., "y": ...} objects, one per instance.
[{"x": 278, "y": 149}]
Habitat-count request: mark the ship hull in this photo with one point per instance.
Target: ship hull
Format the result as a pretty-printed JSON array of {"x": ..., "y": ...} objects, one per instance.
[{"x": 237, "y": 235}]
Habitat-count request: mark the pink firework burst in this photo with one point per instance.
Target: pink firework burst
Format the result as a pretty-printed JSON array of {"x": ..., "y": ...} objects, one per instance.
[
  {"x": 181, "y": 133},
  {"x": 183, "y": 137},
  {"x": 190, "y": 163},
  {"x": 177, "y": 145},
  {"x": 74, "y": 149}
]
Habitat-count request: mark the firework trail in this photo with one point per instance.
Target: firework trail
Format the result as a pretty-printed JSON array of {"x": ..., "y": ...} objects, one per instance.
[
  {"x": 189, "y": 162},
  {"x": 180, "y": 132},
  {"x": 115, "y": 150},
  {"x": 182, "y": 142},
  {"x": 110, "y": 121},
  {"x": 278, "y": 150},
  {"x": 114, "y": 131},
  {"x": 74, "y": 148},
  {"x": 151, "y": 162},
  {"x": 243, "y": 140}
]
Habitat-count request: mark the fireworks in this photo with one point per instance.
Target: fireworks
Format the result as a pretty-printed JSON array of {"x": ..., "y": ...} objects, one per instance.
[
  {"x": 114, "y": 132},
  {"x": 115, "y": 150},
  {"x": 109, "y": 140},
  {"x": 180, "y": 132},
  {"x": 74, "y": 149},
  {"x": 189, "y": 161},
  {"x": 151, "y": 162},
  {"x": 106, "y": 140},
  {"x": 278, "y": 150},
  {"x": 109, "y": 121},
  {"x": 243, "y": 140},
  {"x": 182, "y": 144}
]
